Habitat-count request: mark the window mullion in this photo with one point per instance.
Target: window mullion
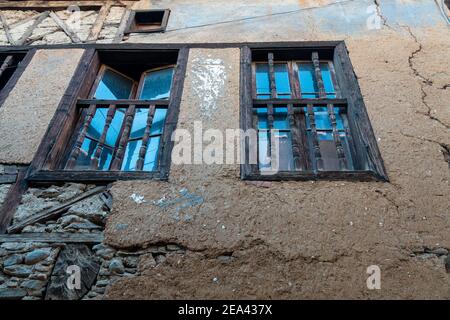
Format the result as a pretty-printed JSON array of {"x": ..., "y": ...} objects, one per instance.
[
  {"x": 273, "y": 88},
  {"x": 145, "y": 138},
  {"x": 293, "y": 80},
  {"x": 296, "y": 139},
  {"x": 118, "y": 157},
  {"x": 77, "y": 148},
  {"x": 318, "y": 74},
  {"x": 315, "y": 141},
  {"x": 98, "y": 151}
]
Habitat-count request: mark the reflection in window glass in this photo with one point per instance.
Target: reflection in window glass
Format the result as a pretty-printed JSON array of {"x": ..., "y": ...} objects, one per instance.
[
  {"x": 282, "y": 137},
  {"x": 136, "y": 136},
  {"x": 157, "y": 84},
  {"x": 91, "y": 141},
  {"x": 325, "y": 136},
  {"x": 113, "y": 86}
]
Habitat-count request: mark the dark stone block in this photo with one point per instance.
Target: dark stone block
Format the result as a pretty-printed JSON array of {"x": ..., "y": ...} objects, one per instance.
[{"x": 78, "y": 255}]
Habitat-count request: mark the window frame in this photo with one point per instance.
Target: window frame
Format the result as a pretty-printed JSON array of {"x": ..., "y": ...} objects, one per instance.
[
  {"x": 53, "y": 150},
  {"x": 365, "y": 151},
  {"x": 132, "y": 26}
]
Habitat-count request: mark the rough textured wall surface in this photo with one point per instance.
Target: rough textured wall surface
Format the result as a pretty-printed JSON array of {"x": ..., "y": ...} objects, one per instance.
[
  {"x": 207, "y": 234},
  {"x": 307, "y": 239},
  {"x": 26, "y": 113}
]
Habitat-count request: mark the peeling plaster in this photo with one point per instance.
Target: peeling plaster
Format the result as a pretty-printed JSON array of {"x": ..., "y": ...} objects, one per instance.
[{"x": 209, "y": 76}]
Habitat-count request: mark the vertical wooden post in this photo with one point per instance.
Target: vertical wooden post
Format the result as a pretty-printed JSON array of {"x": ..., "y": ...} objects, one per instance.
[
  {"x": 6, "y": 63},
  {"x": 315, "y": 140},
  {"x": 98, "y": 151},
  {"x": 318, "y": 74},
  {"x": 336, "y": 137},
  {"x": 145, "y": 138},
  {"x": 296, "y": 138},
  {"x": 273, "y": 88},
  {"x": 77, "y": 148},
  {"x": 129, "y": 116}
]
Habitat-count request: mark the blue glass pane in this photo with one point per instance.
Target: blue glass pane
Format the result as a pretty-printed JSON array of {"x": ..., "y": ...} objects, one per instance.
[
  {"x": 263, "y": 145},
  {"x": 339, "y": 118},
  {"x": 280, "y": 118},
  {"x": 327, "y": 80},
  {"x": 285, "y": 156},
  {"x": 262, "y": 118},
  {"x": 95, "y": 128},
  {"x": 282, "y": 80},
  {"x": 157, "y": 84},
  {"x": 113, "y": 86},
  {"x": 97, "y": 124},
  {"x": 151, "y": 156},
  {"x": 114, "y": 129},
  {"x": 262, "y": 81},
  {"x": 308, "y": 84},
  {"x": 345, "y": 144},
  {"x": 139, "y": 123},
  {"x": 158, "y": 121},
  {"x": 87, "y": 152},
  {"x": 131, "y": 155},
  {"x": 323, "y": 120}
]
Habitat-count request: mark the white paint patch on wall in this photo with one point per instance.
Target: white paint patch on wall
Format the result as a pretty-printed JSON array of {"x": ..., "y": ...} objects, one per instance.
[{"x": 208, "y": 80}]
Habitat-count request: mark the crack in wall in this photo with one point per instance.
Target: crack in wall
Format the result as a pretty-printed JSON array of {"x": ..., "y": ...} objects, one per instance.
[
  {"x": 445, "y": 148},
  {"x": 380, "y": 14},
  {"x": 425, "y": 82}
]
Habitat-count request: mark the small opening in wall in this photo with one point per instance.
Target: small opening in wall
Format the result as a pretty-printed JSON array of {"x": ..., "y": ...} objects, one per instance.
[{"x": 145, "y": 21}]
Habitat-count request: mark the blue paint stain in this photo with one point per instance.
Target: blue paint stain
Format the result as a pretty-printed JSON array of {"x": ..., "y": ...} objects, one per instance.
[{"x": 184, "y": 199}]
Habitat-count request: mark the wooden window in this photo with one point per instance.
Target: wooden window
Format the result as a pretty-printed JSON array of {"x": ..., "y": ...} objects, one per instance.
[
  {"x": 121, "y": 128},
  {"x": 147, "y": 21},
  {"x": 307, "y": 116}
]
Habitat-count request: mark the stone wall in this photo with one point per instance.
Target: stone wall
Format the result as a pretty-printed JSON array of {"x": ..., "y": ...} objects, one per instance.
[{"x": 48, "y": 32}]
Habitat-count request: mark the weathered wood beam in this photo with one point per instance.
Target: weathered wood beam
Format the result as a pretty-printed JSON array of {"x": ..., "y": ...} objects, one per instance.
[
  {"x": 123, "y": 25},
  {"x": 79, "y": 142},
  {"x": 6, "y": 63},
  {"x": 12, "y": 200},
  {"x": 55, "y": 237},
  {"x": 6, "y": 27},
  {"x": 30, "y": 29},
  {"x": 97, "y": 102},
  {"x": 318, "y": 74},
  {"x": 53, "y": 212},
  {"x": 70, "y": 33},
  {"x": 99, "y": 22}
]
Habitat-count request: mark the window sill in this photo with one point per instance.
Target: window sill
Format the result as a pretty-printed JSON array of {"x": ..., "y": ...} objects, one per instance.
[
  {"x": 93, "y": 176},
  {"x": 359, "y": 175}
]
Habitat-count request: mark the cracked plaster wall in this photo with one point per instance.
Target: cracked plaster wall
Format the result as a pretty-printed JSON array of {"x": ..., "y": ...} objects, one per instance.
[{"x": 309, "y": 239}]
